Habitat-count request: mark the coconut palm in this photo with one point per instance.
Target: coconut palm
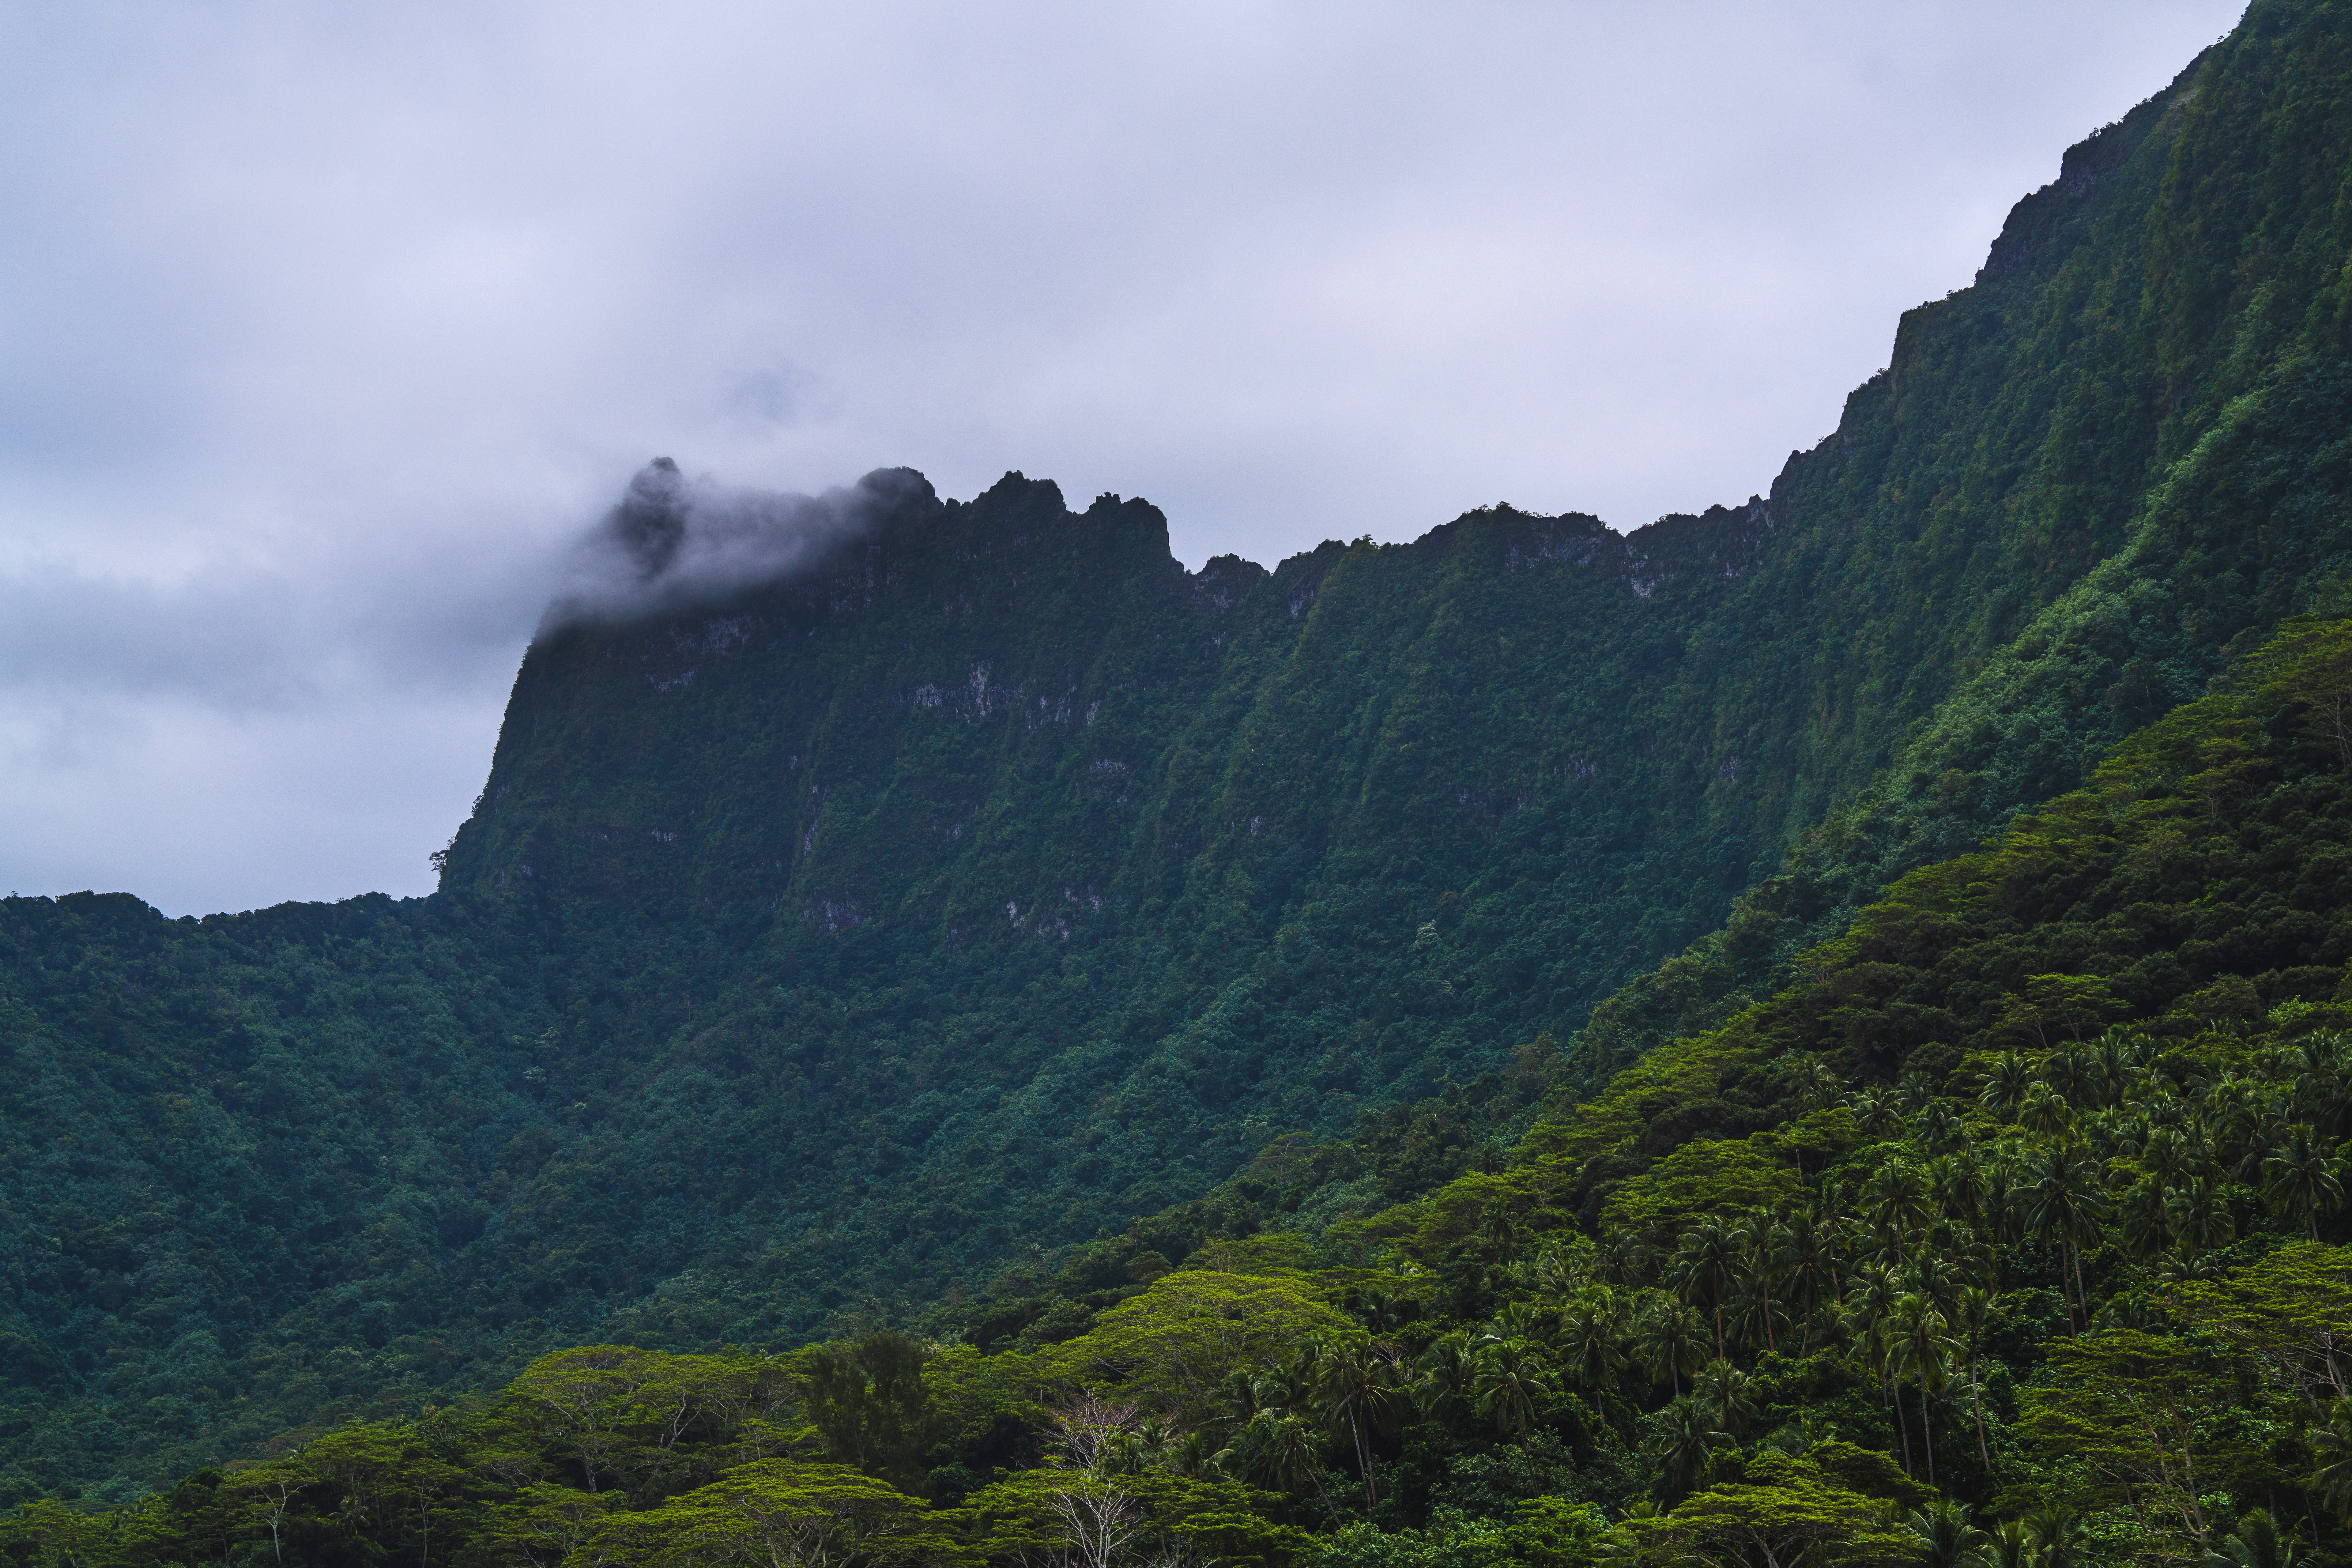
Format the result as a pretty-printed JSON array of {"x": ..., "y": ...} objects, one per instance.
[
  {"x": 1900, "y": 1197},
  {"x": 2006, "y": 1081},
  {"x": 2300, "y": 1178},
  {"x": 1442, "y": 1387},
  {"x": 2331, "y": 1453},
  {"x": 1723, "y": 1391},
  {"x": 1763, "y": 1249},
  {"x": 1683, "y": 1436},
  {"x": 1592, "y": 1335},
  {"x": 1506, "y": 1380},
  {"x": 2259, "y": 1543},
  {"x": 2062, "y": 1207},
  {"x": 1702, "y": 1269},
  {"x": 2060, "y": 1538},
  {"x": 1971, "y": 1319},
  {"x": 1674, "y": 1340},
  {"x": 1918, "y": 1348},
  {"x": 2008, "y": 1544},
  {"x": 2043, "y": 1113},
  {"x": 1352, "y": 1379},
  {"x": 1945, "y": 1538}
]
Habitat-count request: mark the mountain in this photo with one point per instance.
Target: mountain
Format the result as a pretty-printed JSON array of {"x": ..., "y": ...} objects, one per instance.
[{"x": 821, "y": 947}]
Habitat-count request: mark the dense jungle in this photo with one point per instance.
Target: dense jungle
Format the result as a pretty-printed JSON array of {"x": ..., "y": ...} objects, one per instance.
[{"x": 1816, "y": 1032}]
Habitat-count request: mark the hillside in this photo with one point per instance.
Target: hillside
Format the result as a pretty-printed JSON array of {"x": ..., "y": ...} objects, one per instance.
[
  {"x": 992, "y": 883},
  {"x": 2063, "y": 1281}
]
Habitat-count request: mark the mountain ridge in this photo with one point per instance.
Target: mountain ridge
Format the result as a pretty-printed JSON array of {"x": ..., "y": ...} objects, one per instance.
[{"x": 805, "y": 1007}]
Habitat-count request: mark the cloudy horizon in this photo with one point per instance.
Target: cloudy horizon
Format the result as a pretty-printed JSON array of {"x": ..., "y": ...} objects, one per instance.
[{"x": 329, "y": 333}]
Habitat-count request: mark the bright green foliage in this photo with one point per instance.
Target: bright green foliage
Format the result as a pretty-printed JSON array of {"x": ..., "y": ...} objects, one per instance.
[
  {"x": 1181, "y": 1338},
  {"x": 1786, "y": 1510},
  {"x": 776, "y": 1512}
]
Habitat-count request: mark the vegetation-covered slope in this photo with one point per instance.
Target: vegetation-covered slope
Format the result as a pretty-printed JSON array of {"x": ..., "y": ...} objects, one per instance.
[
  {"x": 996, "y": 882},
  {"x": 1939, "y": 1256}
]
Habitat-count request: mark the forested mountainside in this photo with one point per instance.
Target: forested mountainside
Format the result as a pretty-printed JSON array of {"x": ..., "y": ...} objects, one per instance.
[
  {"x": 816, "y": 953},
  {"x": 2062, "y": 1281}
]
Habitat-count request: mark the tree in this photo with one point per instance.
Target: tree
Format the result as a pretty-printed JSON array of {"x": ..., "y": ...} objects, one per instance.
[
  {"x": 546, "y": 1524},
  {"x": 1180, "y": 1338},
  {"x": 1590, "y": 1338},
  {"x": 2300, "y": 1178},
  {"x": 269, "y": 1493},
  {"x": 1352, "y": 1375},
  {"x": 2055, "y": 1007},
  {"x": 869, "y": 1403},
  {"x": 1784, "y": 1513},
  {"x": 1702, "y": 1268},
  {"x": 2287, "y": 1311},
  {"x": 1945, "y": 1538},
  {"x": 1674, "y": 1340},
  {"x": 1971, "y": 1322},
  {"x": 1506, "y": 1379},
  {"x": 781, "y": 1511},
  {"x": 581, "y": 1397},
  {"x": 2125, "y": 1406},
  {"x": 1444, "y": 1387},
  {"x": 1917, "y": 1347},
  {"x": 1722, "y": 1391},
  {"x": 2258, "y": 1543},
  {"x": 2062, "y": 1207},
  {"x": 2331, "y": 1453}
]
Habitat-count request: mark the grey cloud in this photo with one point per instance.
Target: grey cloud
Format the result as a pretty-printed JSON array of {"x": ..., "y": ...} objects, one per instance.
[
  {"x": 327, "y": 329},
  {"x": 674, "y": 541}
]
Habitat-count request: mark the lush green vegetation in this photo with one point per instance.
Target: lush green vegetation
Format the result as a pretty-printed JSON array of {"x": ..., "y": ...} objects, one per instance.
[
  {"x": 999, "y": 925},
  {"x": 1937, "y": 1257}
]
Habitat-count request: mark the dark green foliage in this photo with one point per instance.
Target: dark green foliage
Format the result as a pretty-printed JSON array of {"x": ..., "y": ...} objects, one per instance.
[{"x": 995, "y": 918}]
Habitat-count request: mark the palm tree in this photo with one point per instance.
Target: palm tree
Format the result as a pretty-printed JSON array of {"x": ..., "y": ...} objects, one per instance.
[
  {"x": 2001, "y": 1206},
  {"x": 2300, "y": 1178},
  {"x": 2007, "y": 1545},
  {"x": 1957, "y": 1185},
  {"x": 1702, "y": 1268},
  {"x": 2258, "y": 1543},
  {"x": 1278, "y": 1450},
  {"x": 1947, "y": 1539},
  {"x": 2006, "y": 1081},
  {"x": 1879, "y": 1113},
  {"x": 1900, "y": 1198},
  {"x": 1351, "y": 1376},
  {"x": 1814, "y": 1083},
  {"x": 1763, "y": 1248},
  {"x": 2146, "y": 1218},
  {"x": 1447, "y": 1368},
  {"x": 1722, "y": 1390},
  {"x": 1504, "y": 1380},
  {"x": 1811, "y": 1262},
  {"x": 1939, "y": 1129},
  {"x": 2331, "y": 1453},
  {"x": 1971, "y": 1317},
  {"x": 1674, "y": 1340},
  {"x": 1624, "y": 1258},
  {"x": 2061, "y": 1206},
  {"x": 1685, "y": 1436},
  {"x": 1870, "y": 1297},
  {"x": 2198, "y": 1216},
  {"x": 1590, "y": 1333},
  {"x": 2043, "y": 1113},
  {"x": 1917, "y": 1347},
  {"x": 2059, "y": 1539}
]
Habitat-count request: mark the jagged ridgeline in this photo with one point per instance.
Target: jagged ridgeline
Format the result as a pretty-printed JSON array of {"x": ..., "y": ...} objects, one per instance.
[{"x": 988, "y": 880}]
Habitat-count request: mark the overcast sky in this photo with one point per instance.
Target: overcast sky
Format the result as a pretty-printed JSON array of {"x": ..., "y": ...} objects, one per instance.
[{"x": 324, "y": 328}]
